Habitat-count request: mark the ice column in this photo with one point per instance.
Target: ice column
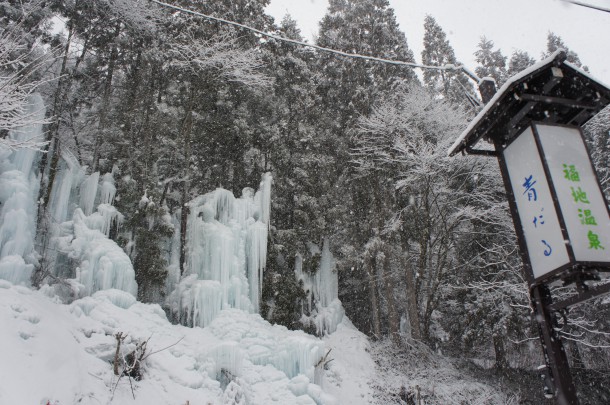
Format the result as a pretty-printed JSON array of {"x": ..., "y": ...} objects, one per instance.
[
  {"x": 326, "y": 285},
  {"x": 18, "y": 191},
  {"x": 322, "y": 291}
]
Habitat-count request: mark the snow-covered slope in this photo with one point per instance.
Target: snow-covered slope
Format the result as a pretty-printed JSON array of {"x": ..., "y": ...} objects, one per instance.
[{"x": 62, "y": 354}]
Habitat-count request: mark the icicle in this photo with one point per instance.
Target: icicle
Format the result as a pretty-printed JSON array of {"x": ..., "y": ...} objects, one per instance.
[
  {"x": 14, "y": 269},
  {"x": 227, "y": 357},
  {"x": 105, "y": 217},
  {"x": 328, "y": 311},
  {"x": 67, "y": 178},
  {"x": 16, "y": 236},
  {"x": 326, "y": 282},
  {"x": 108, "y": 189},
  {"x": 292, "y": 352},
  {"x": 264, "y": 198},
  {"x": 23, "y": 158},
  {"x": 202, "y": 302},
  {"x": 307, "y": 282},
  {"x": 88, "y": 192},
  {"x": 173, "y": 256},
  {"x": 245, "y": 207},
  {"x": 224, "y": 200},
  {"x": 256, "y": 251}
]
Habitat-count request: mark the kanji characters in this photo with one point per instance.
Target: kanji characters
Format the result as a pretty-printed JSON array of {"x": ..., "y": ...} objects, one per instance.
[
  {"x": 594, "y": 242},
  {"x": 570, "y": 172},
  {"x": 532, "y": 195},
  {"x": 579, "y": 196}
]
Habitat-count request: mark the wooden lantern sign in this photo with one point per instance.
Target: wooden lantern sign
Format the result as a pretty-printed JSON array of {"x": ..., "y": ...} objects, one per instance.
[
  {"x": 559, "y": 211},
  {"x": 562, "y": 213},
  {"x": 534, "y": 122}
]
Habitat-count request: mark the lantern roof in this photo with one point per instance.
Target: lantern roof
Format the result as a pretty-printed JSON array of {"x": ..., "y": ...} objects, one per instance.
[{"x": 551, "y": 91}]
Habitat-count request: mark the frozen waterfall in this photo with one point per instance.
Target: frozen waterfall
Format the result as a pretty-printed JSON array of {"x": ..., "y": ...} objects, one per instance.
[
  {"x": 322, "y": 291},
  {"x": 226, "y": 253},
  {"x": 18, "y": 191},
  {"x": 81, "y": 248},
  {"x": 76, "y": 242}
]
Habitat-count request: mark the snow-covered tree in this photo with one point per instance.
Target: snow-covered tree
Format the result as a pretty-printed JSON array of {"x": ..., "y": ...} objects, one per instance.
[
  {"x": 439, "y": 52},
  {"x": 519, "y": 60},
  {"x": 19, "y": 61},
  {"x": 554, "y": 42},
  {"x": 491, "y": 62},
  {"x": 405, "y": 140},
  {"x": 349, "y": 88}
]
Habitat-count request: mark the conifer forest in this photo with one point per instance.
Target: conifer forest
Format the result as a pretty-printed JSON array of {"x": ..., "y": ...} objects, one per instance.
[{"x": 195, "y": 213}]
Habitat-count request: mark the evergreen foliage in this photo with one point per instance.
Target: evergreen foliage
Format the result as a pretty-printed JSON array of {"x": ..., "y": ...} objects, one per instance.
[
  {"x": 491, "y": 62},
  {"x": 439, "y": 52},
  {"x": 554, "y": 42}
]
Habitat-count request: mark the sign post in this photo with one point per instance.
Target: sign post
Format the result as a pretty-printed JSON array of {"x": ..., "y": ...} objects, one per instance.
[
  {"x": 562, "y": 220},
  {"x": 560, "y": 213}
]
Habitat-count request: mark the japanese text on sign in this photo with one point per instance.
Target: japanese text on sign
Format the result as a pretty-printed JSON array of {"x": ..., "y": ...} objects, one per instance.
[{"x": 539, "y": 222}]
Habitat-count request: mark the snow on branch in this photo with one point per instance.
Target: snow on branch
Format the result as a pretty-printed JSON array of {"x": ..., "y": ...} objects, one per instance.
[
  {"x": 222, "y": 56},
  {"x": 17, "y": 66}
]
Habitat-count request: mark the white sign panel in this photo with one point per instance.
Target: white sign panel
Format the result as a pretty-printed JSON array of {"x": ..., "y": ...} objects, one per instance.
[
  {"x": 545, "y": 244},
  {"x": 582, "y": 204}
]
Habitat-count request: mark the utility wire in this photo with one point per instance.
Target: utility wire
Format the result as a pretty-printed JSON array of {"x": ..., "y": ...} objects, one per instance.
[
  {"x": 455, "y": 68},
  {"x": 578, "y": 3}
]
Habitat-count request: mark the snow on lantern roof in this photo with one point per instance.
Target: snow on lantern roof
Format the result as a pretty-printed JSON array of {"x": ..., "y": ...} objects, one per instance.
[{"x": 550, "y": 91}]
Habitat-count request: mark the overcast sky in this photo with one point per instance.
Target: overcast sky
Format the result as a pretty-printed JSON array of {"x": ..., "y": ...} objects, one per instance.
[{"x": 511, "y": 24}]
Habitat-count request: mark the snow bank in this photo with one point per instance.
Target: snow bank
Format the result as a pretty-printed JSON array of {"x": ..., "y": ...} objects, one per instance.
[{"x": 67, "y": 351}]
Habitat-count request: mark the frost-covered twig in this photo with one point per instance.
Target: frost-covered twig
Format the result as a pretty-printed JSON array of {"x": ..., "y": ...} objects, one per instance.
[{"x": 160, "y": 350}]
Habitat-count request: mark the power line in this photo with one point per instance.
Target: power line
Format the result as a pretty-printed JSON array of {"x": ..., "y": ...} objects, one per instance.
[
  {"x": 450, "y": 67},
  {"x": 578, "y": 3}
]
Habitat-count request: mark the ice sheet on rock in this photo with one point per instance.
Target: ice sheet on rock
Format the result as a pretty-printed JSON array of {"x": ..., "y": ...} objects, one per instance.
[
  {"x": 264, "y": 198},
  {"x": 23, "y": 159}
]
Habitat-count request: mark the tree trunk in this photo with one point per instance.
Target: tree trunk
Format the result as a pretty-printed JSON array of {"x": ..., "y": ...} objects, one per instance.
[
  {"x": 187, "y": 125},
  {"x": 103, "y": 122},
  {"x": 393, "y": 321},
  {"x": 53, "y": 134},
  {"x": 501, "y": 361},
  {"x": 376, "y": 323},
  {"x": 412, "y": 306},
  {"x": 577, "y": 360}
]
